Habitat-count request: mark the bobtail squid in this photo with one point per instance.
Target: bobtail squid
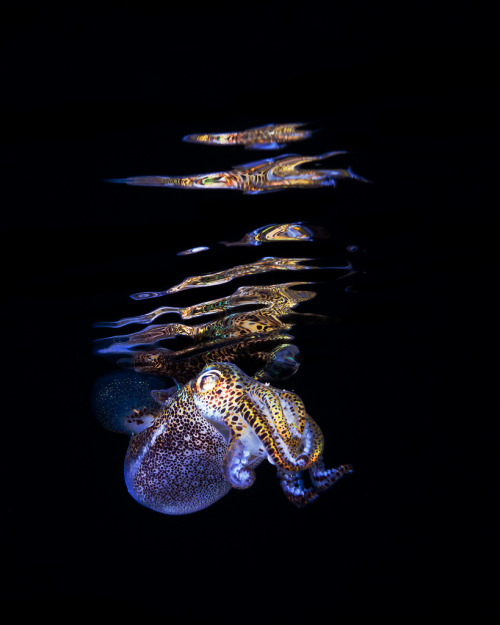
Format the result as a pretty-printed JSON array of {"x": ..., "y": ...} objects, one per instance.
[{"x": 211, "y": 435}]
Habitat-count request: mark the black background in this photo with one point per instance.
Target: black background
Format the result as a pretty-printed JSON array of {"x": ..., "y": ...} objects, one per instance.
[{"x": 401, "y": 385}]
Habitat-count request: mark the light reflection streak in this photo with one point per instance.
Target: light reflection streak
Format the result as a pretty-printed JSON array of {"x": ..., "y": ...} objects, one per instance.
[{"x": 268, "y": 137}]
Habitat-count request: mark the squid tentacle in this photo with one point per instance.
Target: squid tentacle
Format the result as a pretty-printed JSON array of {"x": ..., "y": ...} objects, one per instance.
[
  {"x": 324, "y": 478},
  {"x": 294, "y": 410},
  {"x": 269, "y": 402},
  {"x": 238, "y": 464},
  {"x": 279, "y": 452},
  {"x": 293, "y": 486}
]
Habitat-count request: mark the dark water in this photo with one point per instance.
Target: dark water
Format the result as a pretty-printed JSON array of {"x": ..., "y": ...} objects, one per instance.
[{"x": 401, "y": 384}]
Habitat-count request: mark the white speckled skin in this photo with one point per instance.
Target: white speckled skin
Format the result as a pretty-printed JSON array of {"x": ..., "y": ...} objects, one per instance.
[
  {"x": 174, "y": 466},
  {"x": 212, "y": 435}
]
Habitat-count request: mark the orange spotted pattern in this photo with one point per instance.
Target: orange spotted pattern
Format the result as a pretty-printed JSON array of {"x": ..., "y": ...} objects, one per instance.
[
  {"x": 264, "y": 422},
  {"x": 213, "y": 433}
]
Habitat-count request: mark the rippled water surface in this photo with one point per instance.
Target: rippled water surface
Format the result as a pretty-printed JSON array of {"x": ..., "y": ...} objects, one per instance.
[
  {"x": 177, "y": 463},
  {"x": 384, "y": 328}
]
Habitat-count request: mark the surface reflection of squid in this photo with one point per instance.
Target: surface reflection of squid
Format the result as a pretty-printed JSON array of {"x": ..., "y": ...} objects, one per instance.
[
  {"x": 268, "y": 137},
  {"x": 271, "y": 174}
]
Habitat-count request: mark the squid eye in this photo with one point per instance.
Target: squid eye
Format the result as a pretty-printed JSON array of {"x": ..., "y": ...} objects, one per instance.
[{"x": 207, "y": 381}]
